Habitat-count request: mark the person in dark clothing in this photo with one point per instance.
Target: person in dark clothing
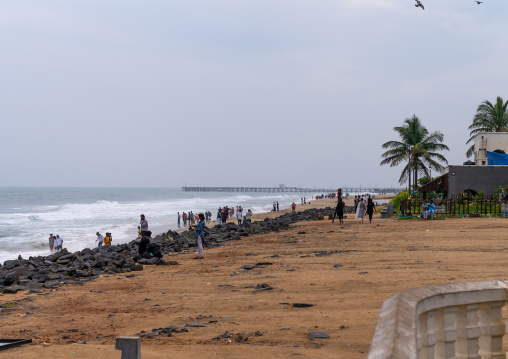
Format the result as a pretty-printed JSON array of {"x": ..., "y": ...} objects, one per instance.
[
  {"x": 370, "y": 209},
  {"x": 144, "y": 242},
  {"x": 339, "y": 210}
]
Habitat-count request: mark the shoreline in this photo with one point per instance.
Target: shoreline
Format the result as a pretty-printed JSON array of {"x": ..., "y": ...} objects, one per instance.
[
  {"x": 344, "y": 271},
  {"x": 313, "y": 203}
]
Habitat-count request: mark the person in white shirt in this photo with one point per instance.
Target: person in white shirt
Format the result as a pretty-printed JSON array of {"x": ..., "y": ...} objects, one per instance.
[
  {"x": 248, "y": 215},
  {"x": 58, "y": 243},
  {"x": 239, "y": 216},
  {"x": 99, "y": 239}
]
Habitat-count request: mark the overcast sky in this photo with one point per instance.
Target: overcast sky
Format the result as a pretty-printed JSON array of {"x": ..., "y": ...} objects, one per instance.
[{"x": 237, "y": 92}]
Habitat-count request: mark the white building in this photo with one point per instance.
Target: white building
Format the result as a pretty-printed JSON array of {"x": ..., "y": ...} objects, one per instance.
[{"x": 491, "y": 142}]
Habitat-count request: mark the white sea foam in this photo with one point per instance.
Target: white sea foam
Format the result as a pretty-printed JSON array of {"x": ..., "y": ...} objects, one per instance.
[{"x": 77, "y": 214}]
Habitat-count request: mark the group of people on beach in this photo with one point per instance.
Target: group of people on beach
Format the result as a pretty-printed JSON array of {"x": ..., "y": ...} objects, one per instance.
[
  {"x": 224, "y": 213},
  {"x": 191, "y": 218},
  {"x": 323, "y": 196},
  {"x": 55, "y": 243},
  {"x": 364, "y": 205},
  {"x": 103, "y": 240}
]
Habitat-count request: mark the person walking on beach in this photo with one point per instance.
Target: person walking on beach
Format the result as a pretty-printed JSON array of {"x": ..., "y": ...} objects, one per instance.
[
  {"x": 248, "y": 215},
  {"x": 178, "y": 220},
  {"x": 100, "y": 239},
  {"x": 277, "y": 205},
  {"x": 200, "y": 235},
  {"x": 370, "y": 209},
  {"x": 293, "y": 207},
  {"x": 51, "y": 242},
  {"x": 339, "y": 210},
  {"x": 360, "y": 211},
  {"x": 239, "y": 215},
  {"x": 144, "y": 225}
]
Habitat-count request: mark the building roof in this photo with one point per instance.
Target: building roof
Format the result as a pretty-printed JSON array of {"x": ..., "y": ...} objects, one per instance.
[{"x": 440, "y": 184}]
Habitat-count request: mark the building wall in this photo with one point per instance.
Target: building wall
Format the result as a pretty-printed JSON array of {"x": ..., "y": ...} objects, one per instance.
[
  {"x": 476, "y": 178},
  {"x": 489, "y": 141}
]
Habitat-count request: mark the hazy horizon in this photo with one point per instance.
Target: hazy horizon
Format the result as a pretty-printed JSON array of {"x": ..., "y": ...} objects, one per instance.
[{"x": 225, "y": 93}]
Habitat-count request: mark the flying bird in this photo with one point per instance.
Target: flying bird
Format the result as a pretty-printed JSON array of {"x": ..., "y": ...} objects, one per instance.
[
  {"x": 419, "y": 4},
  {"x": 479, "y": 2}
]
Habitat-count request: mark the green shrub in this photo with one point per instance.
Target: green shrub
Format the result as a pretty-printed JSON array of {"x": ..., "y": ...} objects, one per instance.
[{"x": 397, "y": 199}]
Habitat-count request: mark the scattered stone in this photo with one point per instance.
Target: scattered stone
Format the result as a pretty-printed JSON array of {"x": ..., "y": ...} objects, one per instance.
[
  {"x": 317, "y": 335},
  {"x": 196, "y": 325},
  {"x": 302, "y": 305},
  {"x": 262, "y": 287},
  {"x": 337, "y": 265}
]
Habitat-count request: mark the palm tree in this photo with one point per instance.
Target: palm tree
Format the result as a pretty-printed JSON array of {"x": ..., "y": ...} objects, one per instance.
[
  {"x": 489, "y": 118},
  {"x": 418, "y": 148}
]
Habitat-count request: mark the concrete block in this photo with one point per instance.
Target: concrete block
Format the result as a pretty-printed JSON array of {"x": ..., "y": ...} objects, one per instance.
[{"x": 130, "y": 347}]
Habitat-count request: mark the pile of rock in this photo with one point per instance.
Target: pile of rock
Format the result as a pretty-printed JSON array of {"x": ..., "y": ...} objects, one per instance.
[{"x": 65, "y": 268}]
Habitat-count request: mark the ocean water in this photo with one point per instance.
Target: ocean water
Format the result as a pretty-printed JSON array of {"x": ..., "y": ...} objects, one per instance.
[{"x": 29, "y": 215}]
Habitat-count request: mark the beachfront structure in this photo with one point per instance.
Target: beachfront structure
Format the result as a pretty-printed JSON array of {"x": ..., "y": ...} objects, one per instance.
[
  {"x": 461, "y": 179},
  {"x": 490, "y": 148},
  {"x": 486, "y": 173},
  {"x": 458, "y": 320}
]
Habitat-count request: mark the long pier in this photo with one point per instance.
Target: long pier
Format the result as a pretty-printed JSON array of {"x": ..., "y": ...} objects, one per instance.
[{"x": 292, "y": 189}]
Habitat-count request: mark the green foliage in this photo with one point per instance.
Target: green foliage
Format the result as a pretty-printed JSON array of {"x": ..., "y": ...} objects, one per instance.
[
  {"x": 479, "y": 196},
  {"x": 424, "y": 180},
  {"x": 397, "y": 199},
  {"x": 498, "y": 189},
  {"x": 417, "y": 149},
  {"x": 490, "y": 117}
]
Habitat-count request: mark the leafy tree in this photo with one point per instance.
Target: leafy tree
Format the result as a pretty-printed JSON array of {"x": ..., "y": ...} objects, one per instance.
[
  {"x": 417, "y": 149},
  {"x": 489, "y": 118}
]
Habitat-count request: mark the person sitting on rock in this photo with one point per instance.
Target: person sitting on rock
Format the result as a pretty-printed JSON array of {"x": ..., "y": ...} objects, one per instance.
[{"x": 143, "y": 244}]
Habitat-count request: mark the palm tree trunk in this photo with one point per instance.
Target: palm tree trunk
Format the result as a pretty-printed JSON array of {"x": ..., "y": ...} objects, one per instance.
[
  {"x": 409, "y": 177},
  {"x": 416, "y": 176}
]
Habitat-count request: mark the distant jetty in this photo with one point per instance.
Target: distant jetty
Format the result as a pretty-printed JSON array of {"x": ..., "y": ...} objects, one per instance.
[{"x": 283, "y": 188}]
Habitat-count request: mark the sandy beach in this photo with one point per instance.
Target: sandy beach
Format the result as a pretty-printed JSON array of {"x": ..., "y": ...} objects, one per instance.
[{"x": 344, "y": 271}]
